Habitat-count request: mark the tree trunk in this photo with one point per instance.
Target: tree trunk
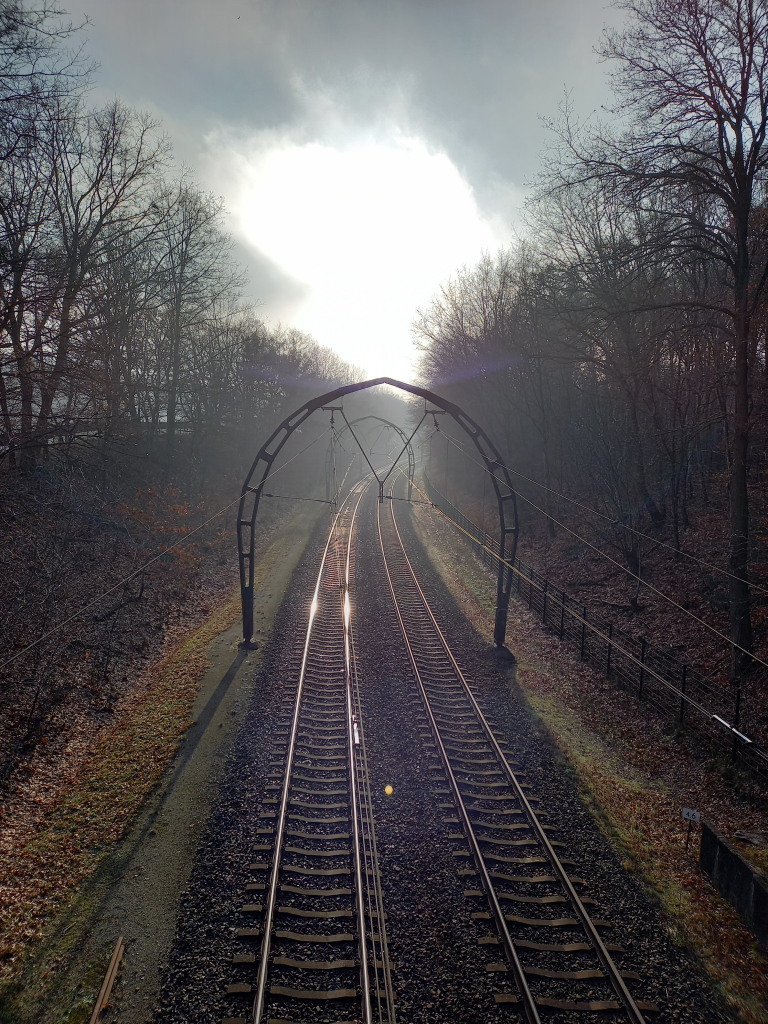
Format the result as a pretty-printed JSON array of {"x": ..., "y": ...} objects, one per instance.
[
  {"x": 740, "y": 619},
  {"x": 637, "y": 464}
]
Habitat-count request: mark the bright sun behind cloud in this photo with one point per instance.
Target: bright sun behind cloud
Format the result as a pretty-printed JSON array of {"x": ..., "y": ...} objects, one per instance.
[{"x": 370, "y": 227}]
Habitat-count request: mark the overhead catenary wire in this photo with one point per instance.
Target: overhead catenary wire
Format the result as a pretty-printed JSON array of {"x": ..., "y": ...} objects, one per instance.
[
  {"x": 297, "y": 497},
  {"x": 602, "y": 515},
  {"x": 622, "y": 568},
  {"x": 137, "y": 572},
  {"x": 287, "y": 462},
  {"x": 632, "y": 575},
  {"x": 647, "y": 669},
  {"x": 121, "y": 583}
]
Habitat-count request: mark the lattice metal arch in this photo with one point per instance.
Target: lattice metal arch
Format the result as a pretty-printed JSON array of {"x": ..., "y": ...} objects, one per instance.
[{"x": 262, "y": 464}]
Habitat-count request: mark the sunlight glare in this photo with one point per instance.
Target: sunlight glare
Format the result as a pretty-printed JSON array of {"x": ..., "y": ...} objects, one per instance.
[{"x": 371, "y": 228}]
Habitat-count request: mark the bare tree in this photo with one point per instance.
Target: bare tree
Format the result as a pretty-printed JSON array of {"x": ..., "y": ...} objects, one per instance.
[
  {"x": 104, "y": 164},
  {"x": 197, "y": 276},
  {"x": 692, "y": 87},
  {"x": 35, "y": 70}
]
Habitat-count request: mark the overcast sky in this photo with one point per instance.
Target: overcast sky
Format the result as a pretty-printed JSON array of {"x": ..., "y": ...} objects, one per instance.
[{"x": 365, "y": 149}]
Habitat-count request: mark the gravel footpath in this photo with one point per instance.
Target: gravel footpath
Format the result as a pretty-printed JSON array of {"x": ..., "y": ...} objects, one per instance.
[{"x": 438, "y": 966}]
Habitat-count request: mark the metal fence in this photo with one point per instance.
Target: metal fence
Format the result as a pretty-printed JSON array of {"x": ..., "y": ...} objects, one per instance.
[{"x": 731, "y": 717}]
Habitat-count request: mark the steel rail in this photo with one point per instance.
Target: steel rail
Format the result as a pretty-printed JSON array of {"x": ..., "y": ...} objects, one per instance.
[
  {"x": 374, "y": 888},
  {"x": 612, "y": 971},
  {"x": 280, "y": 827},
  {"x": 369, "y": 837},
  {"x": 379, "y": 940},
  {"x": 529, "y": 1003},
  {"x": 365, "y": 984}
]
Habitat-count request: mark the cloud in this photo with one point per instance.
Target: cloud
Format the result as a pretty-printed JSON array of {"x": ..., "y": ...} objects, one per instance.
[
  {"x": 473, "y": 79},
  {"x": 274, "y": 295},
  {"x": 370, "y": 224},
  {"x": 366, "y": 150}
]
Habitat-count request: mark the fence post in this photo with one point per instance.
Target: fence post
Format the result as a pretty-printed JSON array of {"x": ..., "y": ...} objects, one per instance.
[
  {"x": 530, "y": 587},
  {"x": 583, "y": 631},
  {"x": 562, "y": 612},
  {"x": 610, "y": 648},
  {"x": 544, "y": 606},
  {"x": 736, "y": 716},
  {"x": 683, "y": 681},
  {"x": 642, "y": 671}
]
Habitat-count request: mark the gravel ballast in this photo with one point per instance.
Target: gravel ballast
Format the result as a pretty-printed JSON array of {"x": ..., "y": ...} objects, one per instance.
[{"x": 438, "y": 966}]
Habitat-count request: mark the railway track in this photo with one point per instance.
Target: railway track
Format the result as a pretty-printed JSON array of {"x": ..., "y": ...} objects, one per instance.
[
  {"x": 305, "y": 926},
  {"x": 313, "y": 944},
  {"x": 553, "y": 953}
]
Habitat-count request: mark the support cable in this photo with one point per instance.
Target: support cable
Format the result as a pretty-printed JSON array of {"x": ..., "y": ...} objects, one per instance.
[
  {"x": 121, "y": 583},
  {"x": 287, "y": 462},
  {"x": 137, "y": 572},
  {"x": 602, "y": 515},
  {"x": 634, "y": 576},
  {"x": 648, "y": 670},
  {"x": 404, "y": 448},
  {"x": 297, "y": 497},
  {"x": 357, "y": 442}
]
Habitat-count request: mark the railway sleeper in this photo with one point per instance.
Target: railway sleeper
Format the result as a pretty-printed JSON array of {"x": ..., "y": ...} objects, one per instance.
[
  {"x": 315, "y": 755},
  {"x": 536, "y": 879},
  {"x": 325, "y": 915},
  {"x": 545, "y": 972},
  {"x": 297, "y": 869},
  {"x": 280, "y": 1020},
  {"x": 308, "y": 731},
  {"x": 513, "y": 860},
  {"x": 552, "y": 922},
  {"x": 550, "y": 947},
  {"x": 591, "y": 1006},
  {"x": 309, "y": 993},
  {"x": 502, "y": 826},
  {"x": 316, "y": 853},
  {"x": 295, "y": 802},
  {"x": 314, "y": 892},
  {"x": 320, "y": 792},
  {"x": 543, "y": 900},
  {"x": 327, "y": 837},
  {"x": 312, "y": 778},
  {"x": 499, "y": 783},
  {"x": 318, "y": 821},
  {"x": 312, "y": 965}
]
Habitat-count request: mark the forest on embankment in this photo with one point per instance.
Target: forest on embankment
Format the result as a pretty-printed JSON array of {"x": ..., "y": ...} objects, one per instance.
[
  {"x": 618, "y": 354},
  {"x": 135, "y": 388}
]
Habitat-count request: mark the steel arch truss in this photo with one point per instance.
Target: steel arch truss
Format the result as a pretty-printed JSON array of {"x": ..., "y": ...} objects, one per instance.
[{"x": 262, "y": 466}]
